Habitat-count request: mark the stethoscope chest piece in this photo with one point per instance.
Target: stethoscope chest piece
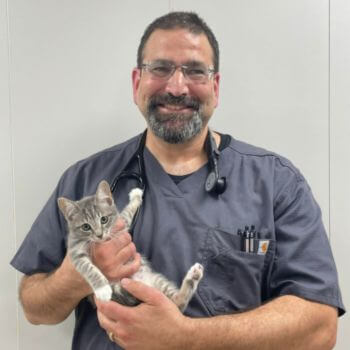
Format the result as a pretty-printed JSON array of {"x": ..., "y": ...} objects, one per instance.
[
  {"x": 210, "y": 182},
  {"x": 214, "y": 184}
]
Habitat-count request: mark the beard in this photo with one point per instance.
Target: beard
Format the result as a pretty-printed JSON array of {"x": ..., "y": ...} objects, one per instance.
[{"x": 175, "y": 127}]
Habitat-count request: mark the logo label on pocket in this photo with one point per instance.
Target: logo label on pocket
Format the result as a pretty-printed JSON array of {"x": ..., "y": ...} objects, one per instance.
[{"x": 263, "y": 247}]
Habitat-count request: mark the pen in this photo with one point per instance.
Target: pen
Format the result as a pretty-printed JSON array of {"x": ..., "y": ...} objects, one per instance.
[
  {"x": 246, "y": 237},
  {"x": 252, "y": 236},
  {"x": 241, "y": 234}
]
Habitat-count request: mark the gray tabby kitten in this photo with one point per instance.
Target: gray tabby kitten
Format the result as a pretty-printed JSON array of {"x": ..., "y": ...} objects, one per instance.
[{"x": 90, "y": 220}]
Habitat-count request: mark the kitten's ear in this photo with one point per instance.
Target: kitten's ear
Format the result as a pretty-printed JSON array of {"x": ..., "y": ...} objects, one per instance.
[
  {"x": 104, "y": 194},
  {"x": 67, "y": 207}
]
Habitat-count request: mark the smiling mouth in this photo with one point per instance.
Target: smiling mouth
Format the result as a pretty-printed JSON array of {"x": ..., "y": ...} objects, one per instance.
[
  {"x": 168, "y": 104},
  {"x": 167, "y": 108}
]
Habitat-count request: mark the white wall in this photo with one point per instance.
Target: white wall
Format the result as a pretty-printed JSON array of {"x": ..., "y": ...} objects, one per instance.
[
  {"x": 8, "y": 298},
  {"x": 65, "y": 92}
]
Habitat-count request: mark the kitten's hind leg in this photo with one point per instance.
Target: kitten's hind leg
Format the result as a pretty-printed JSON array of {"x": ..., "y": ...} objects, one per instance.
[
  {"x": 122, "y": 296},
  {"x": 188, "y": 287}
]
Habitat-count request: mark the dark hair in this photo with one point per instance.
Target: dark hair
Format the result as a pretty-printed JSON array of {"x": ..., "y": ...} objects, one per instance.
[{"x": 182, "y": 20}]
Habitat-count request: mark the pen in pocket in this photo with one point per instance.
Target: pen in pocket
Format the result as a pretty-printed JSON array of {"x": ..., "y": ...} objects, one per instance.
[
  {"x": 252, "y": 235},
  {"x": 248, "y": 239}
]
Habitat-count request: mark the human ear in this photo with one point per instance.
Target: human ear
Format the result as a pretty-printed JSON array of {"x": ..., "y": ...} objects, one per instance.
[
  {"x": 216, "y": 87},
  {"x": 136, "y": 77}
]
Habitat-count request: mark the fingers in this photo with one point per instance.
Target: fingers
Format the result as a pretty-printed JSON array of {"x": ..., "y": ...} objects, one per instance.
[
  {"x": 130, "y": 268},
  {"x": 116, "y": 258},
  {"x": 127, "y": 251},
  {"x": 109, "y": 324},
  {"x": 102, "y": 251},
  {"x": 108, "y": 311},
  {"x": 119, "y": 226},
  {"x": 106, "y": 323}
]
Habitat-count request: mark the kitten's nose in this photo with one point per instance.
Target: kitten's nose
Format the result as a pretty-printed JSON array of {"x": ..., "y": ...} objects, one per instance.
[{"x": 99, "y": 233}]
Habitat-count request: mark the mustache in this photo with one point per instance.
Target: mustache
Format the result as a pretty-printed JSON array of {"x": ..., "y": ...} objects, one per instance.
[{"x": 169, "y": 99}]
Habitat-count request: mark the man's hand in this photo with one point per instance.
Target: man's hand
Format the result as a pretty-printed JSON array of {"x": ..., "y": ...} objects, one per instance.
[
  {"x": 156, "y": 323},
  {"x": 116, "y": 258},
  {"x": 287, "y": 322}
]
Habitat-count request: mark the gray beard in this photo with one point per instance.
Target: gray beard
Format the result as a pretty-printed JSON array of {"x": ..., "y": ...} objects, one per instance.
[{"x": 190, "y": 126}]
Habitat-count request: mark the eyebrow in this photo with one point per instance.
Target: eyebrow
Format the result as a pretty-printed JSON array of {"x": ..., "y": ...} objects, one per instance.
[
  {"x": 164, "y": 61},
  {"x": 191, "y": 63}
]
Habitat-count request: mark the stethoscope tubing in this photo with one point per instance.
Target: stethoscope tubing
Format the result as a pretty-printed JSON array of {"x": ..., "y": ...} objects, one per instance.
[{"x": 214, "y": 183}]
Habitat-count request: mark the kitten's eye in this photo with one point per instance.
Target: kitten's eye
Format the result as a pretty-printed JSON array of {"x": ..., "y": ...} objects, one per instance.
[
  {"x": 86, "y": 227},
  {"x": 104, "y": 220}
]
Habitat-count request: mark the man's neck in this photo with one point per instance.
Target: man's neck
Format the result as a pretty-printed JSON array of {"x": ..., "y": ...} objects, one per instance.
[{"x": 180, "y": 159}]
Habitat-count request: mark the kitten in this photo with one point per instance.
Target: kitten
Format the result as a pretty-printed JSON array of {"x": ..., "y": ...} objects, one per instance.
[{"x": 90, "y": 220}]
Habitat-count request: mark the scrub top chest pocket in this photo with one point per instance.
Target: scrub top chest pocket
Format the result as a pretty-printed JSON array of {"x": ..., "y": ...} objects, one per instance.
[{"x": 233, "y": 280}]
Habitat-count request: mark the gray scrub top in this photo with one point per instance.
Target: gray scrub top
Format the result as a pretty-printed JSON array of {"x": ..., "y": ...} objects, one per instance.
[{"x": 183, "y": 224}]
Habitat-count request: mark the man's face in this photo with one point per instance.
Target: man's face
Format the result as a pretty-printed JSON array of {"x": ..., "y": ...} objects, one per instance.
[{"x": 177, "y": 108}]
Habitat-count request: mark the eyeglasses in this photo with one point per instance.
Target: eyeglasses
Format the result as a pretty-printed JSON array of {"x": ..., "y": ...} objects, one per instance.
[{"x": 162, "y": 70}]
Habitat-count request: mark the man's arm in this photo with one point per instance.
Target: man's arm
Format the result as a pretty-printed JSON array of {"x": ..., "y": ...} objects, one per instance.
[
  {"x": 288, "y": 323},
  {"x": 49, "y": 298}
]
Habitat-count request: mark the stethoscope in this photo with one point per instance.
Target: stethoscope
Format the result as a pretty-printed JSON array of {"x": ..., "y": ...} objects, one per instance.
[{"x": 214, "y": 184}]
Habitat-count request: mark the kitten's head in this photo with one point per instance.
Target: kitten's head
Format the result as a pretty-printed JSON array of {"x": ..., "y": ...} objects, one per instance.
[{"x": 91, "y": 217}]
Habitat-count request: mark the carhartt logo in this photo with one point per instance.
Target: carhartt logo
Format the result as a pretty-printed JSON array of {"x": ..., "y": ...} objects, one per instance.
[{"x": 263, "y": 247}]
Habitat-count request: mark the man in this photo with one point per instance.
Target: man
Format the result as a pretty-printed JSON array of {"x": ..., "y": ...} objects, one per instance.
[{"x": 280, "y": 291}]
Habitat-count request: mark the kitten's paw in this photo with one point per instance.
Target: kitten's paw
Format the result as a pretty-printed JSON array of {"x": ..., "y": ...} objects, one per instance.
[
  {"x": 136, "y": 193},
  {"x": 196, "y": 272},
  {"x": 104, "y": 293},
  {"x": 117, "y": 289}
]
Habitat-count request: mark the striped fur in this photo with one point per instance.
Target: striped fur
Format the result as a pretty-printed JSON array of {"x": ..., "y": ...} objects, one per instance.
[{"x": 87, "y": 223}]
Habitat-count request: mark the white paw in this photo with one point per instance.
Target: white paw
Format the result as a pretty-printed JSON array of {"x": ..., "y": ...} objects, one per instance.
[
  {"x": 104, "y": 293},
  {"x": 136, "y": 193},
  {"x": 196, "y": 272},
  {"x": 117, "y": 289}
]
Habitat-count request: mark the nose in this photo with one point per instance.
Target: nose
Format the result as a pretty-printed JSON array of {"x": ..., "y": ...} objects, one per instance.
[
  {"x": 99, "y": 232},
  {"x": 177, "y": 84}
]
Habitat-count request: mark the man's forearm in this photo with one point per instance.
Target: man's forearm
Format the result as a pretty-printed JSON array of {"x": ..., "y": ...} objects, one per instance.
[
  {"x": 50, "y": 298},
  {"x": 286, "y": 323}
]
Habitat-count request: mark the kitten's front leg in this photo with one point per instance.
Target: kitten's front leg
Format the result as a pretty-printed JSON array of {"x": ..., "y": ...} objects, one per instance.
[
  {"x": 92, "y": 274},
  {"x": 104, "y": 293},
  {"x": 135, "y": 200}
]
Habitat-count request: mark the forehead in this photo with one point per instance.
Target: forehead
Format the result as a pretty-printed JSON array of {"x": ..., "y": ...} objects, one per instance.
[{"x": 178, "y": 45}]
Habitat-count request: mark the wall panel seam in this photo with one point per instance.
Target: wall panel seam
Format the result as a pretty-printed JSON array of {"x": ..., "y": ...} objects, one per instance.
[
  {"x": 329, "y": 127},
  {"x": 10, "y": 118}
]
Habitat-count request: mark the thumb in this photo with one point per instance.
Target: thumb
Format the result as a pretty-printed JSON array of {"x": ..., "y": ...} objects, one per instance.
[{"x": 143, "y": 292}]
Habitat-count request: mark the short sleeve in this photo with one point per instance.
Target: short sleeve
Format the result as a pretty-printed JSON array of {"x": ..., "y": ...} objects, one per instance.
[
  {"x": 44, "y": 247},
  {"x": 304, "y": 264}
]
